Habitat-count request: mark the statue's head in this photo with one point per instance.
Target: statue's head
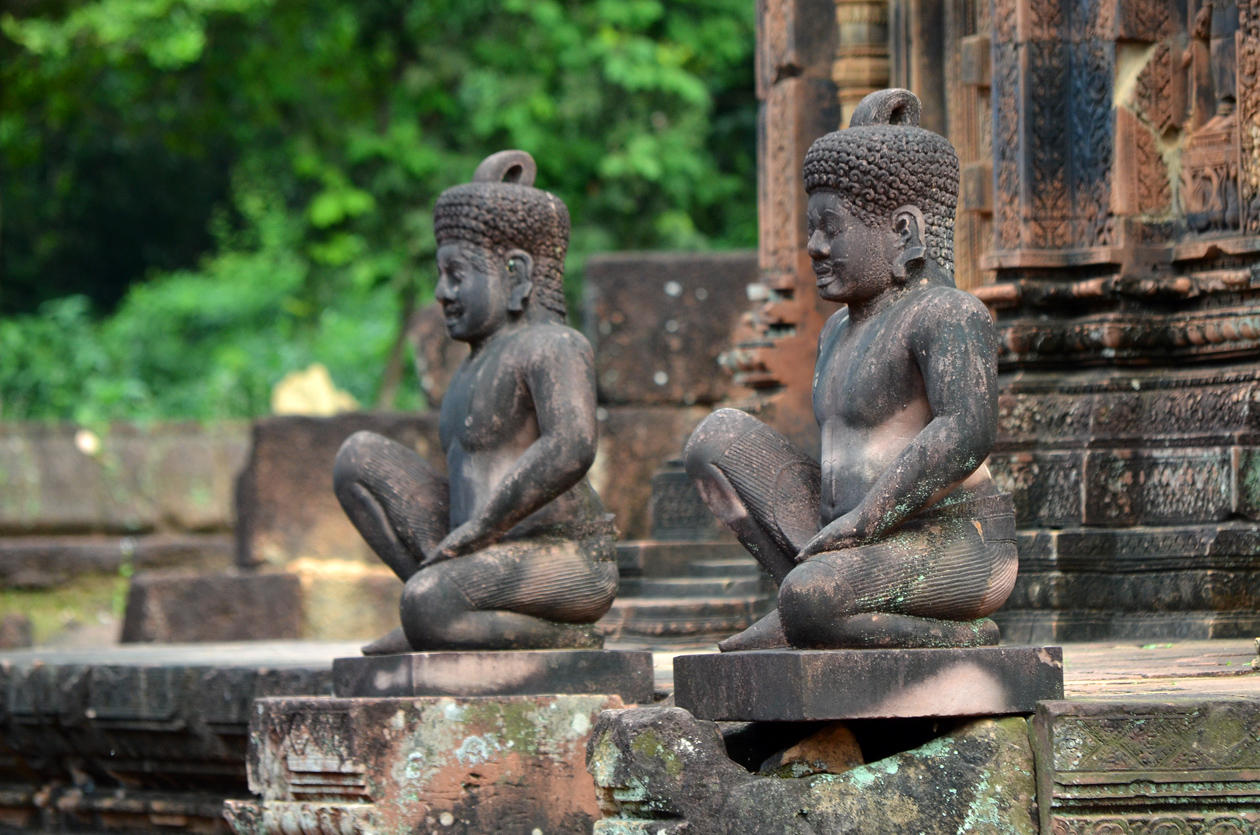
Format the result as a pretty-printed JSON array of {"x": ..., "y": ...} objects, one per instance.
[
  {"x": 501, "y": 246},
  {"x": 882, "y": 195}
]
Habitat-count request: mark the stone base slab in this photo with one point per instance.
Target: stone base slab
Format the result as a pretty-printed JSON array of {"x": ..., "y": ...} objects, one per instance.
[
  {"x": 627, "y": 674},
  {"x": 828, "y": 685},
  {"x": 505, "y": 764},
  {"x": 1185, "y": 765}
]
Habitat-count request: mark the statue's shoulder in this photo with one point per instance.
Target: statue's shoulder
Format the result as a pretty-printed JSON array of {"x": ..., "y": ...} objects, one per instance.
[
  {"x": 541, "y": 340},
  {"x": 946, "y": 318},
  {"x": 945, "y": 303}
]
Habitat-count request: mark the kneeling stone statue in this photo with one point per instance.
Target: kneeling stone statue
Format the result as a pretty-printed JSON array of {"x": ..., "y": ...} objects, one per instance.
[
  {"x": 898, "y": 537},
  {"x": 513, "y": 549}
]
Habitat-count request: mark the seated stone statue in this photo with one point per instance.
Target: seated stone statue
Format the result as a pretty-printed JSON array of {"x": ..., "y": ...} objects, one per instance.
[
  {"x": 512, "y": 549},
  {"x": 898, "y": 538}
]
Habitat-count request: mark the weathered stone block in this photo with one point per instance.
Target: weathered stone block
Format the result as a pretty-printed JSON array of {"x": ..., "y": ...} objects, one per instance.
[
  {"x": 1246, "y": 464},
  {"x": 44, "y": 561},
  {"x": 659, "y": 321},
  {"x": 175, "y": 608},
  {"x": 506, "y": 764},
  {"x": 1045, "y": 486},
  {"x": 1141, "y": 766},
  {"x": 662, "y": 770},
  {"x": 1157, "y": 486},
  {"x": 826, "y": 685},
  {"x": 285, "y": 504},
  {"x": 129, "y": 479},
  {"x": 496, "y": 673},
  {"x": 1027, "y": 419},
  {"x": 634, "y": 441}
]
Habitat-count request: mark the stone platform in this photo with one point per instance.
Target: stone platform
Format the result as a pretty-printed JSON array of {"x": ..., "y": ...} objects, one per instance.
[
  {"x": 497, "y": 673},
  {"x": 829, "y": 685},
  {"x": 436, "y": 764},
  {"x": 153, "y": 738}
]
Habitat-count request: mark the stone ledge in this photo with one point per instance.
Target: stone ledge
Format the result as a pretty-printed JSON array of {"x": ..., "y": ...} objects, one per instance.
[
  {"x": 827, "y": 685},
  {"x": 627, "y": 674}
]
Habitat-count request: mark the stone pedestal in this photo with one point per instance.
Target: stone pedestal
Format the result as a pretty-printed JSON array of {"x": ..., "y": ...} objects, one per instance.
[
  {"x": 496, "y": 673},
  {"x": 435, "y": 764},
  {"x": 661, "y": 770},
  {"x": 827, "y": 685}
]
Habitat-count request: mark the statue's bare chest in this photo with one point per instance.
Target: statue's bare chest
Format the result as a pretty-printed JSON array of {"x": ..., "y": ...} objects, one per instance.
[
  {"x": 485, "y": 405},
  {"x": 864, "y": 375}
]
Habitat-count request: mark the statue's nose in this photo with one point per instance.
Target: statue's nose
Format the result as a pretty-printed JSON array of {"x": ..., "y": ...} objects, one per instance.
[{"x": 817, "y": 246}]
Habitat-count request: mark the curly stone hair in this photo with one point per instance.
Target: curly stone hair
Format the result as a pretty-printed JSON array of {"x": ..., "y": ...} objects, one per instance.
[
  {"x": 501, "y": 210},
  {"x": 883, "y": 161}
]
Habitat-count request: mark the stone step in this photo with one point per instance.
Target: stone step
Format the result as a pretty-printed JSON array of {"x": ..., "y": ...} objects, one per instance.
[
  {"x": 689, "y": 586},
  {"x": 744, "y": 566},
  {"x": 657, "y": 558},
  {"x": 678, "y": 617},
  {"x": 1040, "y": 626}
]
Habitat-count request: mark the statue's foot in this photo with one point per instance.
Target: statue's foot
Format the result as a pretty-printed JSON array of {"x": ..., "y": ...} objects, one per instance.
[
  {"x": 881, "y": 630},
  {"x": 388, "y": 644},
  {"x": 766, "y": 633}
]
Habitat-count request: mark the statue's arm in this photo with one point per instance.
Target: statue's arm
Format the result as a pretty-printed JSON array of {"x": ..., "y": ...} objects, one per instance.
[
  {"x": 559, "y": 370},
  {"x": 957, "y": 355}
]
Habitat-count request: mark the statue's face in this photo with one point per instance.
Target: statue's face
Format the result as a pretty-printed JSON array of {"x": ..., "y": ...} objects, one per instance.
[
  {"x": 853, "y": 262},
  {"x": 472, "y": 289}
]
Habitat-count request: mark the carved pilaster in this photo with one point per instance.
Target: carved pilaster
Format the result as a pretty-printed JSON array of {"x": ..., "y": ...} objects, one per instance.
[
  {"x": 1248, "y": 58},
  {"x": 772, "y": 352},
  {"x": 862, "y": 60}
]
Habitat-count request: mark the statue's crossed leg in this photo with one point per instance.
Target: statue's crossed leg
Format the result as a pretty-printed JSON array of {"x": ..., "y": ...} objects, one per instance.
[{"x": 930, "y": 582}]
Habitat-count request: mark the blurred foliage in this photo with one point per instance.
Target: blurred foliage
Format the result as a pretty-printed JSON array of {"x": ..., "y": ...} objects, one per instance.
[{"x": 199, "y": 196}]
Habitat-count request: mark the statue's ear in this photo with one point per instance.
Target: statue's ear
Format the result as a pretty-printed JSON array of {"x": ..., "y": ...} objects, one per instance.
[
  {"x": 909, "y": 226},
  {"x": 520, "y": 273}
]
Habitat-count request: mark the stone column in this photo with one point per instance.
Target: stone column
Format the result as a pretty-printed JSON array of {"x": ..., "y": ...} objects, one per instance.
[{"x": 773, "y": 353}]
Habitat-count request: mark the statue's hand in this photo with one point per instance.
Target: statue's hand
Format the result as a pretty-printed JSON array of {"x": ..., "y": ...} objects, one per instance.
[
  {"x": 463, "y": 540},
  {"x": 838, "y": 535}
]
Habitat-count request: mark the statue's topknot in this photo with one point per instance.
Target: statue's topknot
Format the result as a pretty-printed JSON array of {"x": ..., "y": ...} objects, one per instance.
[
  {"x": 501, "y": 210},
  {"x": 883, "y": 161}
]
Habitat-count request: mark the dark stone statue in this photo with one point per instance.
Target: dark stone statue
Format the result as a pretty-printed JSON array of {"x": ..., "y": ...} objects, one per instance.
[
  {"x": 512, "y": 549},
  {"x": 898, "y": 538}
]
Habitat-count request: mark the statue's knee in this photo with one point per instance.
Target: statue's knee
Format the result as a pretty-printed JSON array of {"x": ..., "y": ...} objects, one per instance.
[
  {"x": 350, "y": 457},
  {"x": 810, "y": 596},
  {"x": 427, "y": 605},
  {"x": 713, "y": 437}
]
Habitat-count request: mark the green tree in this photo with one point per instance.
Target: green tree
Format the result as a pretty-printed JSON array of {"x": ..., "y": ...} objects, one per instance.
[{"x": 245, "y": 186}]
